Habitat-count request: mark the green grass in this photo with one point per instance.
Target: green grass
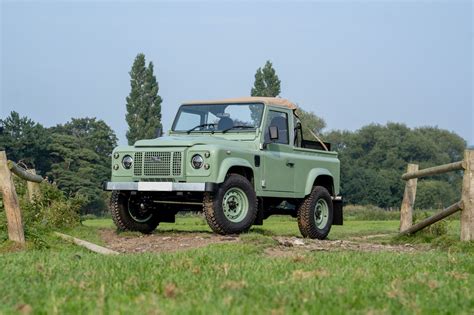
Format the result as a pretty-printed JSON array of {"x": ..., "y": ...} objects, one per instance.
[{"x": 239, "y": 278}]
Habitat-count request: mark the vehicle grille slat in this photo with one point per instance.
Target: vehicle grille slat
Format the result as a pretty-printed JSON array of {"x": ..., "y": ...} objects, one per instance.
[
  {"x": 176, "y": 163},
  {"x": 137, "y": 168}
]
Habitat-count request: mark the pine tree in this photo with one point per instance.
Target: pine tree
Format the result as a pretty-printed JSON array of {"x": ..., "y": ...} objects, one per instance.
[
  {"x": 143, "y": 103},
  {"x": 266, "y": 82}
]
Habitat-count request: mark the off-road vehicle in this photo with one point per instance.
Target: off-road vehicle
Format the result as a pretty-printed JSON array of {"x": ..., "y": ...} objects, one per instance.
[{"x": 237, "y": 160}]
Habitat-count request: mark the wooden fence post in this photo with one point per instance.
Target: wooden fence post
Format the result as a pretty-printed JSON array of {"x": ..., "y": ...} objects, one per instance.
[
  {"x": 33, "y": 187},
  {"x": 467, "y": 214},
  {"x": 10, "y": 202},
  {"x": 406, "y": 212}
]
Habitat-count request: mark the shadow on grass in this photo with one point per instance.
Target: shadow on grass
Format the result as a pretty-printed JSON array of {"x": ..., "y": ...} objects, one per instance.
[
  {"x": 159, "y": 232},
  {"x": 262, "y": 231}
]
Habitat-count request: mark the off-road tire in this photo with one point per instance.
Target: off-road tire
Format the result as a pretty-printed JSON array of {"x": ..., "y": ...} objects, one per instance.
[
  {"x": 120, "y": 215},
  {"x": 214, "y": 212},
  {"x": 306, "y": 214}
]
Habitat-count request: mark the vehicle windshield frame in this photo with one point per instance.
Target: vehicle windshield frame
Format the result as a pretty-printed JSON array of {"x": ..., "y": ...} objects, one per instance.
[{"x": 239, "y": 130}]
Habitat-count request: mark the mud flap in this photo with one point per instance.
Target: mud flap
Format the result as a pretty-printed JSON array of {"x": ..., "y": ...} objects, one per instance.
[
  {"x": 260, "y": 215},
  {"x": 337, "y": 217}
]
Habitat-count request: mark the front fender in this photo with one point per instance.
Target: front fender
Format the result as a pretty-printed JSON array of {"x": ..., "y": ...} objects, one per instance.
[
  {"x": 228, "y": 163},
  {"x": 313, "y": 174}
]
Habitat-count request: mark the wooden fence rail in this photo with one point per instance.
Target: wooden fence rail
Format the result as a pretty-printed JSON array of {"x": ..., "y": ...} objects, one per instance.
[
  {"x": 456, "y": 166},
  {"x": 466, "y": 205},
  {"x": 24, "y": 174}
]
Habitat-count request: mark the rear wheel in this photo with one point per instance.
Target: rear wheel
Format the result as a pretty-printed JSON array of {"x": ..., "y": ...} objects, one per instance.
[
  {"x": 315, "y": 214},
  {"x": 133, "y": 212},
  {"x": 233, "y": 207}
]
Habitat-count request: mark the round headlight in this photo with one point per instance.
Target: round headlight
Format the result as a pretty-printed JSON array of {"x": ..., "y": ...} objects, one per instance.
[
  {"x": 127, "y": 162},
  {"x": 197, "y": 161}
]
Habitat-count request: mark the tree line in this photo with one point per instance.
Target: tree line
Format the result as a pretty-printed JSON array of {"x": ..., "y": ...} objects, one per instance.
[{"x": 76, "y": 155}]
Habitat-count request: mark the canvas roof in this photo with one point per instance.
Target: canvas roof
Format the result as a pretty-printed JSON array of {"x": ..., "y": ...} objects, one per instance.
[{"x": 276, "y": 101}]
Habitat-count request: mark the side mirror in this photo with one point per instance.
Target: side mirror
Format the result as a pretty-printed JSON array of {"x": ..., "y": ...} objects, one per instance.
[
  {"x": 159, "y": 132},
  {"x": 273, "y": 132}
]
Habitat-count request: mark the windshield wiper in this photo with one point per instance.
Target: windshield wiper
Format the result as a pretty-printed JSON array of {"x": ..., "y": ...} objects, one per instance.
[
  {"x": 200, "y": 126},
  {"x": 237, "y": 127}
]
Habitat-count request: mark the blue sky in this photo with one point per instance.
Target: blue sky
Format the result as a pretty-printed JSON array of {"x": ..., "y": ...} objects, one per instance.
[{"x": 351, "y": 62}]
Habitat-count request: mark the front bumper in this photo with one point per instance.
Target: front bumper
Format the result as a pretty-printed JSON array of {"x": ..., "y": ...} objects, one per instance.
[{"x": 159, "y": 186}]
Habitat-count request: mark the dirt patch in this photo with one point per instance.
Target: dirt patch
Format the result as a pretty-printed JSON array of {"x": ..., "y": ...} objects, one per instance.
[
  {"x": 292, "y": 246},
  {"x": 287, "y": 246},
  {"x": 169, "y": 242}
]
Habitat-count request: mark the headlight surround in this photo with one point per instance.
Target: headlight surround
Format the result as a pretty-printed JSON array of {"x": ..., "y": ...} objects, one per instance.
[
  {"x": 127, "y": 162},
  {"x": 197, "y": 161}
]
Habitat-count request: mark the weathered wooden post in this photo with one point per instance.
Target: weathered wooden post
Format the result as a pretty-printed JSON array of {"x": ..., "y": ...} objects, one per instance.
[
  {"x": 33, "y": 187},
  {"x": 467, "y": 214},
  {"x": 10, "y": 202},
  {"x": 406, "y": 212}
]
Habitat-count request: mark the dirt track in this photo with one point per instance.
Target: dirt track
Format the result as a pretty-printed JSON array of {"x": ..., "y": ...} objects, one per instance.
[
  {"x": 168, "y": 242},
  {"x": 284, "y": 246}
]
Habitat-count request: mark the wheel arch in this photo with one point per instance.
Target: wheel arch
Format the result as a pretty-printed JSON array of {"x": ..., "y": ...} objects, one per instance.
[
  {"x": 319, "y": 177},
  {"x": 235, "y": 166}
]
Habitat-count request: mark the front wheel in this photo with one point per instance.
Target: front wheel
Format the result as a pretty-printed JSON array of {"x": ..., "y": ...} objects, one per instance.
[
  {"x": 233, "y": 207},
  {"x": 315, "y": 214},
  {"x": 133, "y": 212}
]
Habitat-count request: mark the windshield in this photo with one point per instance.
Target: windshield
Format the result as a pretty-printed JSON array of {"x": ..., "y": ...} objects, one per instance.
[{"x": 218, "y": 117}]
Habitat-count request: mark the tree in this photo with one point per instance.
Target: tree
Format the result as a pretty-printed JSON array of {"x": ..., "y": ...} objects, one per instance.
[
  {"x": 435, "y": 194},
  {"x": 25, "y": 141},
  {"x": 143, "y": 103},
  {"x": 266, "y": 82},
  {"x": 80, "y": 151}
]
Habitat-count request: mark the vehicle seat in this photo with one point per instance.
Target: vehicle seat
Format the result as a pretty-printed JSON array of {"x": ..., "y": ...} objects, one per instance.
[{"x": 225, "y": 123}]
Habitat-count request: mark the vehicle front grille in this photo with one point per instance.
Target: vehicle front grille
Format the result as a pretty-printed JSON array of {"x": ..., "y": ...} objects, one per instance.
[{"x": 160, "y": 164}]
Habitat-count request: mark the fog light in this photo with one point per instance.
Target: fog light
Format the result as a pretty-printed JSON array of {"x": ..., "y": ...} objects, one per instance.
[
  {"x": 116, "y": 167},
  {"x": 207, "y": 155},
  {"x": 116, "y": 155},
  {"x": 206, "y": 166}
]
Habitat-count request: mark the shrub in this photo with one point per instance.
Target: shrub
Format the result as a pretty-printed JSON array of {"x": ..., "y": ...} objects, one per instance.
[{"x": 51, "y": 210}]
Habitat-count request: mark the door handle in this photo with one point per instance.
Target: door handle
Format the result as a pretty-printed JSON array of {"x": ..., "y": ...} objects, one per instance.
[{"x": 290, "y": 163}]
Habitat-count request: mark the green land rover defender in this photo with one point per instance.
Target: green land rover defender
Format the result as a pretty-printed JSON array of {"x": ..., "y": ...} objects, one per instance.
[{"x": 237, "y": 160}]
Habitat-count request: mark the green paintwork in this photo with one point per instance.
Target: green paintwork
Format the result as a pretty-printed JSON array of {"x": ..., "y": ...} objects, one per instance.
[
  {"x": 235, "y": 204},
  {"x": 239, "y": 148}
]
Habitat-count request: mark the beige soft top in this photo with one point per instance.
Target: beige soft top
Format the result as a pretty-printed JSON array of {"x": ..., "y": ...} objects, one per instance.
[{"x": 276, "y": 101}]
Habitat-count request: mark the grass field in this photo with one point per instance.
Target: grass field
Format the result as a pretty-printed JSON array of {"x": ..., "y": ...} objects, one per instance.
[{"x": 240, "y": 278}]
